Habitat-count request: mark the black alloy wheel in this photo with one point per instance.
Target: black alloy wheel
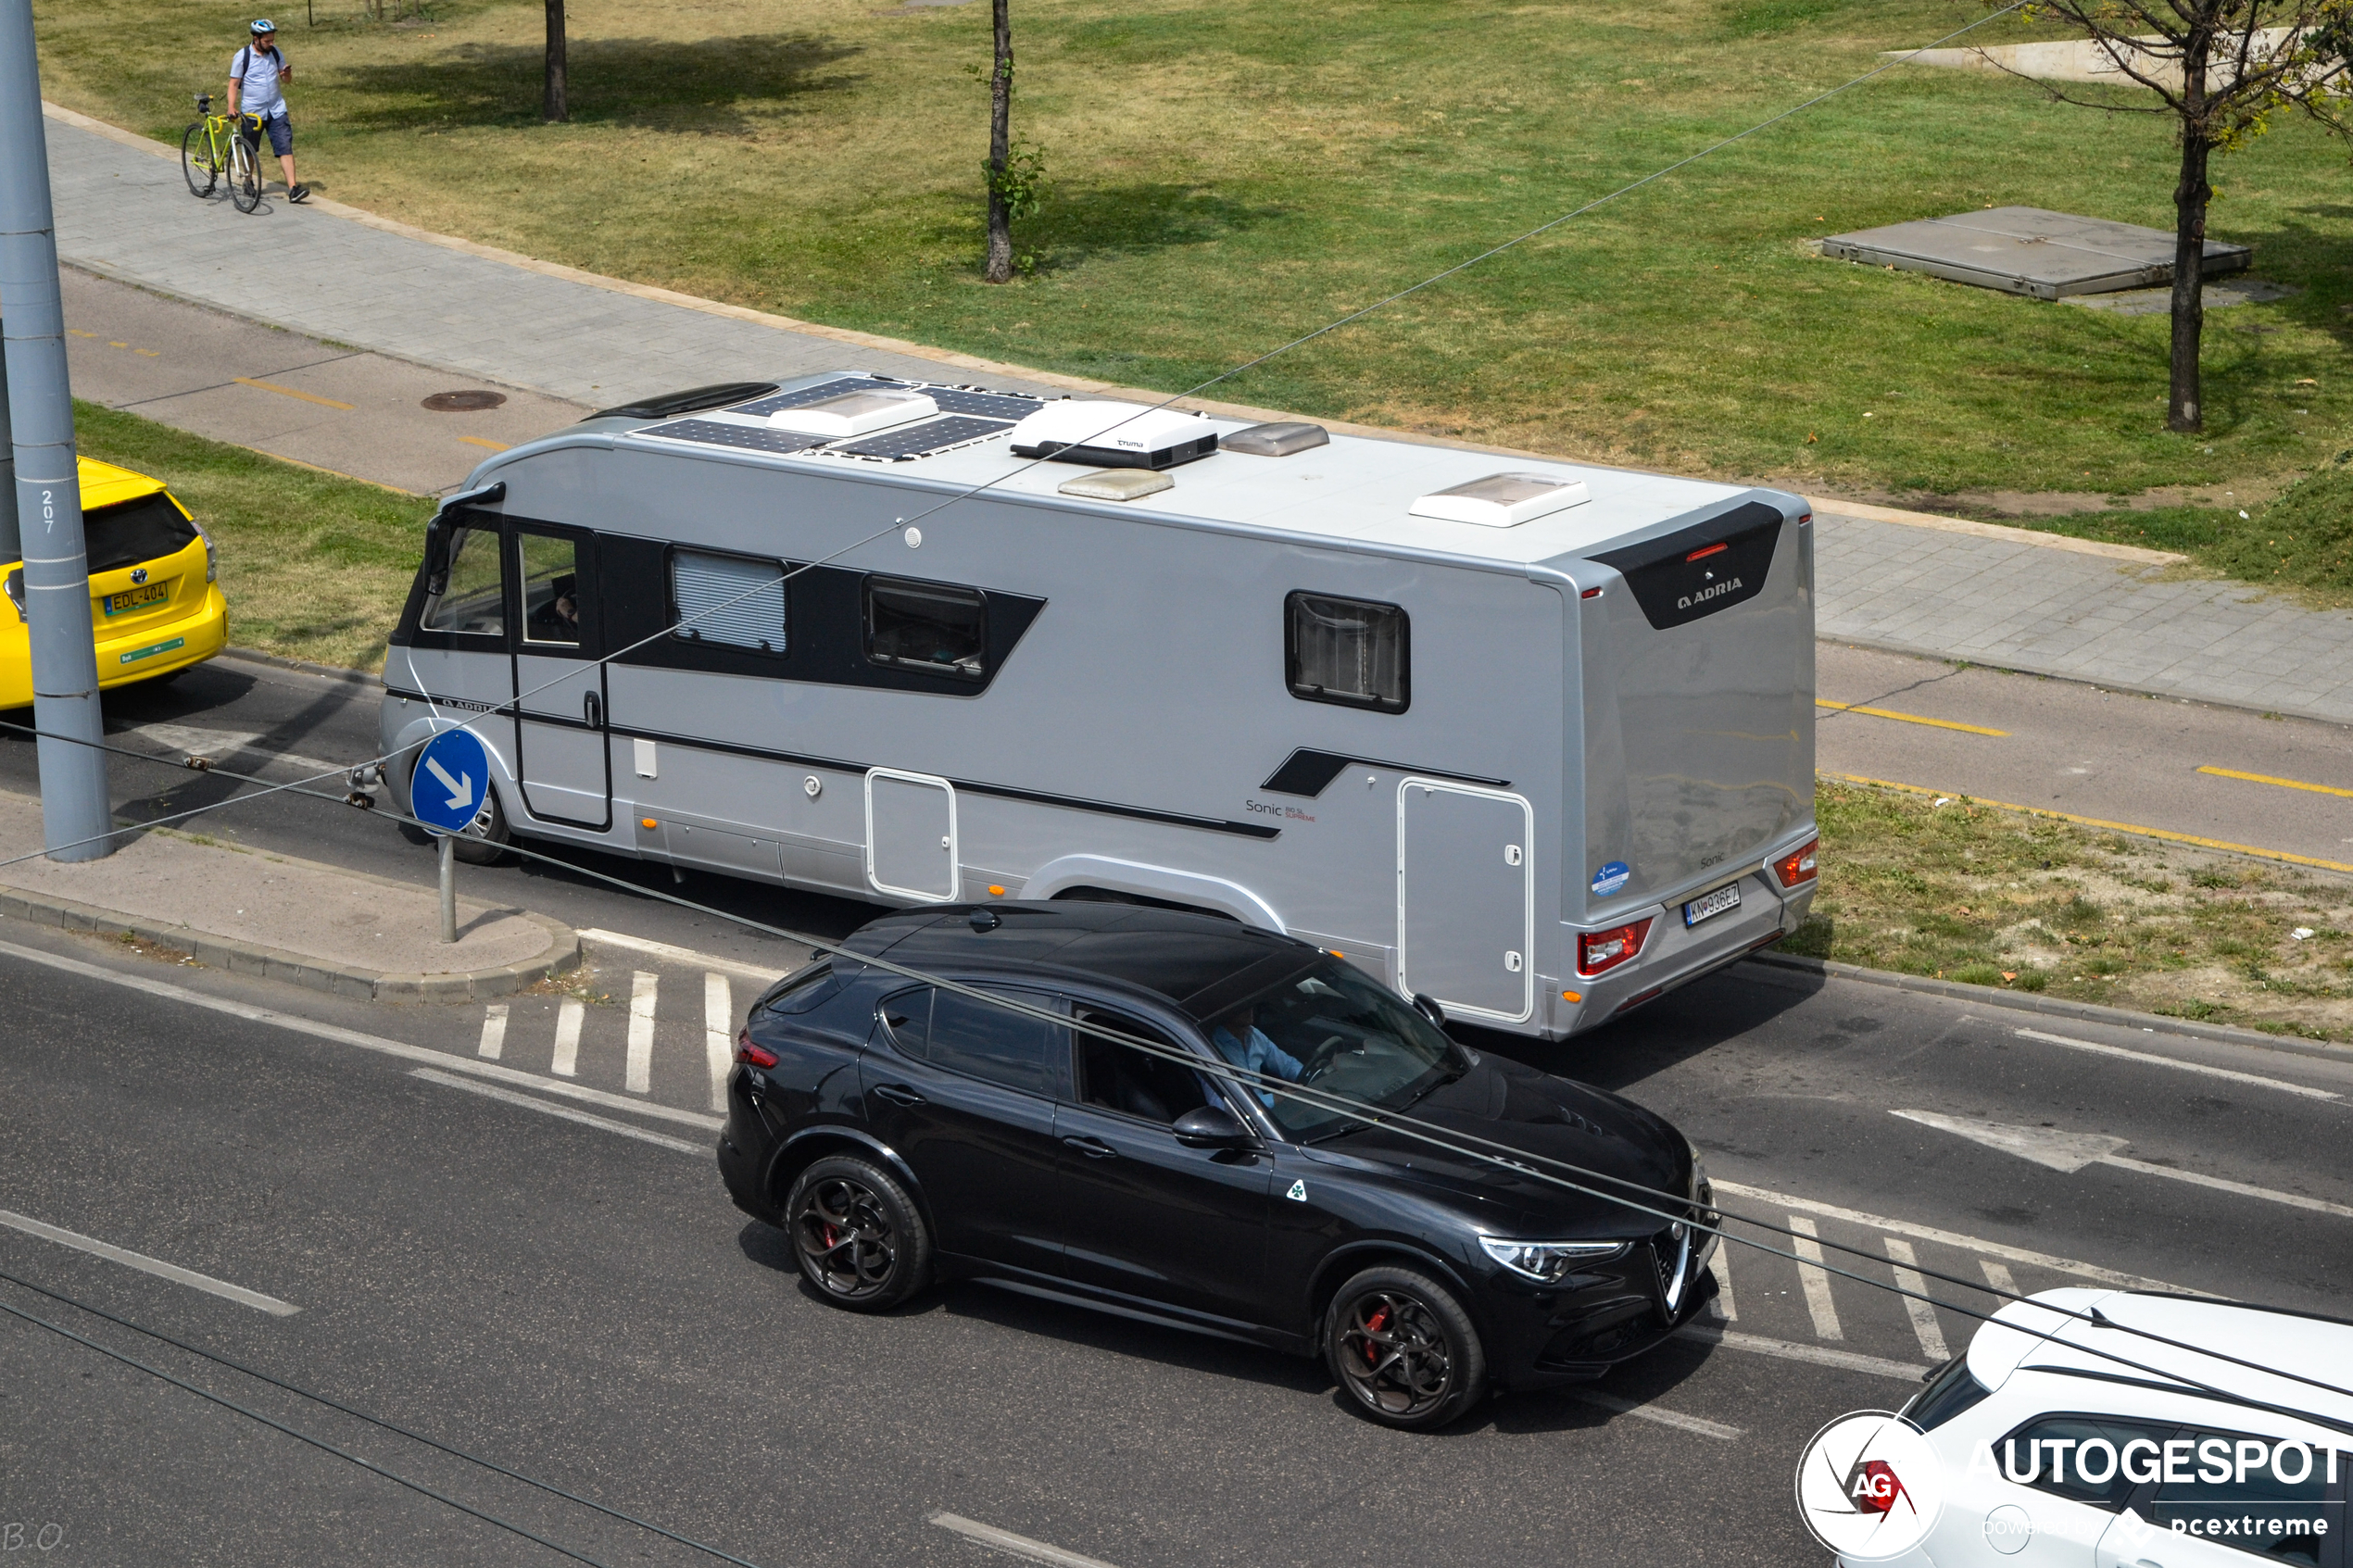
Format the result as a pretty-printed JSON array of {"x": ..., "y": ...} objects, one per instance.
[
  {"x": 196, "y": 160},
  {"x": 857, "y": 1235},
  {"x": 1404, "y": 1348}
]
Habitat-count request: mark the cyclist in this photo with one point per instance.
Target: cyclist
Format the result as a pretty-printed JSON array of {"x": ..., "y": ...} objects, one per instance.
[{"x": 254, "y": 73}]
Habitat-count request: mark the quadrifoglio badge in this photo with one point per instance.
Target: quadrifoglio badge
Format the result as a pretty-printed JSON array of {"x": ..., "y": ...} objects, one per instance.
[{"x": 1870, "y": 1487}]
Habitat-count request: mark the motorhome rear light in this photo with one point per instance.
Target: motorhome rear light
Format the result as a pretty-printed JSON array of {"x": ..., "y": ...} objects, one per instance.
[
  {"x": 1708, "y": 550},
  {"x": 1591, "y": 593},
  {"x": 749, "y": 1054},
  {"x": 1572, "y": 996},
  {"x": 1798, "y": 866},
  {"x": 1601, "y": 951}
]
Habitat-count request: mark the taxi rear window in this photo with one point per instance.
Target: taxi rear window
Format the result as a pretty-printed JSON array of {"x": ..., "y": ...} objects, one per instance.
[{"x": 146, "y": 529}]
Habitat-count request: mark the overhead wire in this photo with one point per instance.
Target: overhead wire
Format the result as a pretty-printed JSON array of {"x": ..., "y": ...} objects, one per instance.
[{"x": 1455, "y": 1141}]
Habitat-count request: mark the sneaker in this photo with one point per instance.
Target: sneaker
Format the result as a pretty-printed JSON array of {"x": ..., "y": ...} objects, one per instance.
[{"x": 299, "y": 194}]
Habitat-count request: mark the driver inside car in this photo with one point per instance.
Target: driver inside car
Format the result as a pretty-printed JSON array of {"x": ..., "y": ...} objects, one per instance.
[{"x": 1240, "y": 1042}]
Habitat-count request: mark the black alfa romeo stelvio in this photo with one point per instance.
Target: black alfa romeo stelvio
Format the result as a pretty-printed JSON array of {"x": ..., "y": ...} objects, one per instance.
[{"x": 903, "y": 1131}]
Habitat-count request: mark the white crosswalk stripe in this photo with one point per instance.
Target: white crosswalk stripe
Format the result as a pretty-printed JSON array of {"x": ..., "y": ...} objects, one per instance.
[
  {"x": 645, "y": 989},
  {"x": 1923, "y": 1316},
  {"x": 1721, "y": 1267},
  {"x": 718, "y": 1034},
  {"x": 494, "y": 1031},
  {"x": 1816, "y": 1283},
  {"x": 568, "y": 1018}
]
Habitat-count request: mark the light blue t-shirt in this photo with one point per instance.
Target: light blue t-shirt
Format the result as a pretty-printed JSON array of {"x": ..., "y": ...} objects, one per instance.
[
  {"x": 1260, "y": 1055},
  {"x": 257, "y": 71}
]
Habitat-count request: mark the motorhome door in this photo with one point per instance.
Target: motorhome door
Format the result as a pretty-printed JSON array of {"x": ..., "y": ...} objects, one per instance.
[
  {"x": 911, "y": 836},
  {"x": 1467, "y": 898},
  {"x": 560, "y": 747}
]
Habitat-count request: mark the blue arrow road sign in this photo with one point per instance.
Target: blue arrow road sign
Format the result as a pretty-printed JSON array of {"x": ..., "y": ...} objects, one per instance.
[{"x": 452, "y": 776}]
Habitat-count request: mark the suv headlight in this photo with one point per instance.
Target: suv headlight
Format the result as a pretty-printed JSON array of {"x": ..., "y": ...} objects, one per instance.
[{"x": 1547, "y": 1263}]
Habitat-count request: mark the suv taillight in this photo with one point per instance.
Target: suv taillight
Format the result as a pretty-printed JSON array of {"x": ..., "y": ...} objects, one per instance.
[
  {"x": 1798, "y": 866},
  {"x": 751, "y": 1055},
  {"x": 1598, "y": 951}
]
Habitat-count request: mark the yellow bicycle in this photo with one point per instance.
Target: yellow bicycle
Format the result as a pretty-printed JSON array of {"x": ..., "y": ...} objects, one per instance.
[{"x": 223, "y": 146}]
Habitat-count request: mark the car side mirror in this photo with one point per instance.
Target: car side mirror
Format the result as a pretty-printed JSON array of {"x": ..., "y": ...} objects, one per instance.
[
  {"x": 1426, "y": 1004},
  {"x": 1213, "y": 1126}
]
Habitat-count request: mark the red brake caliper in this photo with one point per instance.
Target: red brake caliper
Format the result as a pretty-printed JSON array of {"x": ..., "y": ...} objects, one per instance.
[{"x": 1373, "y": 1325}]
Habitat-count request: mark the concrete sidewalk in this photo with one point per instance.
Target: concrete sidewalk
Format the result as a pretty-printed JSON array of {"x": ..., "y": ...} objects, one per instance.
[
  {"x": 2125, "y": 619},
  {"x": 259, "y": 913}
]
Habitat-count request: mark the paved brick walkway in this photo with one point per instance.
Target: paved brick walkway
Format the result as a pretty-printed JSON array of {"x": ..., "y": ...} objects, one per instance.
[{"x": 1989, "y": 598}]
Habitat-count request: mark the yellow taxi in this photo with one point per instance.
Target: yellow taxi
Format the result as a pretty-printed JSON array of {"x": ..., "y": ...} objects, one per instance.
[{"x": 153, "y": 604}]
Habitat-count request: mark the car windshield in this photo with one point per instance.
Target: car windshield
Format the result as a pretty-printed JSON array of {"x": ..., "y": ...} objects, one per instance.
[{"x": 1350, "y": 1037}]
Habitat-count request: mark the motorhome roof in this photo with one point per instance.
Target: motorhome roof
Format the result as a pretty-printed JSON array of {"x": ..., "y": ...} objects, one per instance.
[{"x": 1357, "y": 488}]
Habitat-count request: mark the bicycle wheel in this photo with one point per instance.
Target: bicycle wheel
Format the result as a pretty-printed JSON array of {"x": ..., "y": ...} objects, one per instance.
[
  {"x": 246, "y": 158},
  {"x": 199, "y": 160}
]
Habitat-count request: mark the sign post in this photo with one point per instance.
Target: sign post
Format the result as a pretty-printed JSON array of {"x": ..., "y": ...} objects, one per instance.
[{"x": 447, "y": 792}]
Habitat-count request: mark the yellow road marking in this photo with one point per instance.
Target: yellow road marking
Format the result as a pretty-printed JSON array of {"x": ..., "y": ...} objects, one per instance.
[
  {"x": 2135, "y": 828},
  {"x": 478, "y": 440},
  {"x": 332, "y": 473},
  {"x": 290, "y": 392},
  {"x": 1906, "y": 718},
  {"x": 148, "y": 353},
  {"x": 118, "y": 345},
  {"x": 2284, "y": 783},
  {"x": 77, "y": 331}
]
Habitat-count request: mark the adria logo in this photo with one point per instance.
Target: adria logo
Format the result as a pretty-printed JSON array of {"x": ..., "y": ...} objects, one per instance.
[
  {"x": 1870, "y": 1487},
  {"x": 1714, "y": 590}
]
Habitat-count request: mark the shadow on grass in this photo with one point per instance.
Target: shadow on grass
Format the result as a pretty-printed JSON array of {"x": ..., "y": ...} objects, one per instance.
[
  {"x": 1075, "y": 226},
  {"x": 702, "y": 84}
]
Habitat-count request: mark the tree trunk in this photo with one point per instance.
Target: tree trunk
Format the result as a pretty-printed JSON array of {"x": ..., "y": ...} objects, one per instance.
[
  {"x": 1000, "y": 268},
  {"x": 552, "y": 105},
  {"x": 2184, "y": 409}
]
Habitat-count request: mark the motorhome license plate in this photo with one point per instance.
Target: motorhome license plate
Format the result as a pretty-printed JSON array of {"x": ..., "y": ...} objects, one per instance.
[
  {"x": 1711, "y": 904},
  {"x": 137, "y": 599}
]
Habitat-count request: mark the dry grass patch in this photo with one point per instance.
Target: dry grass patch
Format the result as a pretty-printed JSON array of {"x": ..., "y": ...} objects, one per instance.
[{"x": 1962, "y": 891}]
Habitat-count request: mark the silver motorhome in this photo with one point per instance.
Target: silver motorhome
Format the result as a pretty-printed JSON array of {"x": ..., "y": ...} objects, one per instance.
[{"x": 1531, "y": 738}]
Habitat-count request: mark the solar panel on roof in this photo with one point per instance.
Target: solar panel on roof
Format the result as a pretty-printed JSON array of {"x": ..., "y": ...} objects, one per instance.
[
  {"x": 987, "y": 405},
  {"x": 751, "y": 438},
  {"x": 920, "y": 441},
  {"x": 837, "y": 387}
]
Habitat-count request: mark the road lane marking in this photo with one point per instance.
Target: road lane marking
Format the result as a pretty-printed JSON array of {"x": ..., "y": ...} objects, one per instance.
[
  {"x": 2136, "y": 829},
  {"x": 2070, "y": 1152},
  {"x": 1818, "y": 1355},
  {"x": 342, "y": 1036},
  {"x": 1998, "y": 1276},
  {"x": 1720, "y": 1266},
  {"x": 2284, "y": 783},
  {"x": 494, "y": 1031},
  {"x": 290, "y": 392},
  {"x": 1652, "y": 1412},
  {"x": 1019, "y": 1546},
  {"x": 686, "y": 958},
  {"x": 1816, "y": 1280},
  {"x": 644, "y": 988},
  {"x": 1949, "y": 1238},
  {"x": 718, "y": 1034},
  {"x": 145, "y": 1264},
  {"x": 1907, "y": 1277},
  {"x": 2152, "y": 1059},
  {"x": 478, "y": 440},
  {"x": 570, "y": 1014},
  {"x": 508, "y": 1097},
  {"x": 1906, "y": 718}
]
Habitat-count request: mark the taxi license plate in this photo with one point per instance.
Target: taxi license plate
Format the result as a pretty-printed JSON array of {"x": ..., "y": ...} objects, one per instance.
[
  {"x": 1708, "y": 905},
  {"x": 137, "y": 599}
]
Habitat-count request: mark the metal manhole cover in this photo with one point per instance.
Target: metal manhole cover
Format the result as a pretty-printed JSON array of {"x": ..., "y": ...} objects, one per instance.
[{"x": 463, "y": 402}]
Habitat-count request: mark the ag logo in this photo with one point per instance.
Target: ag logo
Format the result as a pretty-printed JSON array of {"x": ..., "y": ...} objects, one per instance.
[{"x": 1870, "y": 1487}]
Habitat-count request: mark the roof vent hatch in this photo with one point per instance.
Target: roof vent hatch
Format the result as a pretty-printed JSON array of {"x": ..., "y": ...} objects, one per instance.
[
  {"x": 1114, "y": 435},
  {"x": 1503, "y": 500},
  {"x": 854, "y": 413},
  {"x": 1279, "y": 439}
]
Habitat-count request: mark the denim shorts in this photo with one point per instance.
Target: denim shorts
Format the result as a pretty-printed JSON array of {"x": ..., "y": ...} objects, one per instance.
[{"x": 280, "y": 134}]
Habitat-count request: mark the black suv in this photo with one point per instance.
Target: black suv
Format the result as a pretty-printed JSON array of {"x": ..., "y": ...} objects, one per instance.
[{"x": 903, "y": 1132}]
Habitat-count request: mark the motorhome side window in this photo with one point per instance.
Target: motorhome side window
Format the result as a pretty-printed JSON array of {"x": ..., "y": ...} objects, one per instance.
[
  {"x": 473, "y": 597},
  {"x": 926, "y": 626},
  {"x": 738, "y": 602},
  {"x": 1348, "y": 651}
]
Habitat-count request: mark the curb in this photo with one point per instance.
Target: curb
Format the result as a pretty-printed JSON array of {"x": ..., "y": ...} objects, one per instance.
[
  {"x": 1825, "y": 506},
  {"x": 342, "y": 673},
  {"x": 2052, "y": 1007},
  {"x": 563, "y": 953}
]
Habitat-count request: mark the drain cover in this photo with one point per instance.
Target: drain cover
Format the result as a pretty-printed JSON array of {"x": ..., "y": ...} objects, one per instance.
[{"x": 463, "y": 402}]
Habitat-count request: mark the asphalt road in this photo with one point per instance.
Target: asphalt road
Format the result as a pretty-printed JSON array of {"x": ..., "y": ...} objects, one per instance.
[{"x": 583, "y": 1305}]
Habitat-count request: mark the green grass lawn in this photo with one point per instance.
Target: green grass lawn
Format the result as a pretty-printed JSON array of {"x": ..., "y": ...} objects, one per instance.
[
  {"x": 314, "y": 565},
  {"x": 1225, "y": 175}
]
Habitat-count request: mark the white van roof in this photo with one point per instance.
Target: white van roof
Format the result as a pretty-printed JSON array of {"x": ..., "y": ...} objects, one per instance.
[
  {"x": 2026, "y": 1336},
  {"x": 1357, "y": 489}
]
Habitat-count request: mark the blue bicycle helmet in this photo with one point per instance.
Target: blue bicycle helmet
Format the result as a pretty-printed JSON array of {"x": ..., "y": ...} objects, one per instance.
[{"x": 263, "y": 24}]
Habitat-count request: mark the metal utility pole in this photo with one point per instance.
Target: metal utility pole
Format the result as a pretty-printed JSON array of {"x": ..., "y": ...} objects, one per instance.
[
  {"x": 9, "y": 549},
  {"x": 76, "y": 813}
]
